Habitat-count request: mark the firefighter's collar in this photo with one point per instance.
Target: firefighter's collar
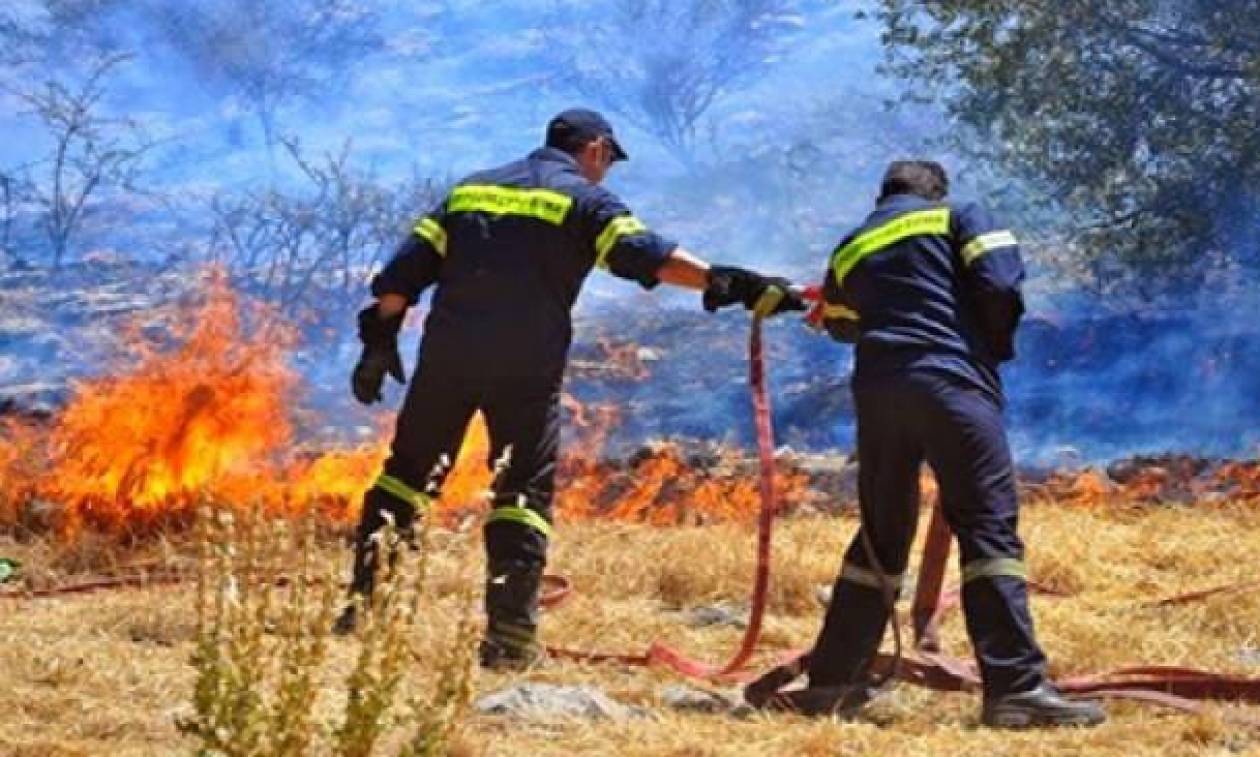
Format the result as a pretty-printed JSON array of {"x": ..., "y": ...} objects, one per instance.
[
  {"x": 904, "y": 198},
  {"x": 554, "y": 155}
]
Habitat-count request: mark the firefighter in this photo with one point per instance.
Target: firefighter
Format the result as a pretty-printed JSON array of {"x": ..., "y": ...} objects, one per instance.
[
  {"x": 929, "y": 291},
  {"x": 508, "y": 250}
]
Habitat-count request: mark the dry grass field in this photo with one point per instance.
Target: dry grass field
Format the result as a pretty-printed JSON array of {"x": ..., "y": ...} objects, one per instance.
[{"x": 109, "y": 673}]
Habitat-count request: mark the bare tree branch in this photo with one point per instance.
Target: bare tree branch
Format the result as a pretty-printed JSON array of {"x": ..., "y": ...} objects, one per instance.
[
  {"x": 90, "y": 152},
  {"x": 294, "y": 246}
]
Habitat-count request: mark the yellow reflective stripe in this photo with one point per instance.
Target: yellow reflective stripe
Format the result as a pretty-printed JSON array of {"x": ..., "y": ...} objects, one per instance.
[
  {"x": 912, "y": 224},
  {"x": 832, "y": 312},
  {"x": 543, "y": 204},
  {"x": 617, "y": 228},
  {"x": 522, "y": 515},
  {"x": 432, "y": 231},
  {"x": 768, "y": 301},
  {"x": 869, "y": 578},
  {"x": 994, "y": 567},
  {"x": 512, "y": 632},
  {"x": 391, "y": 485},
  {"x": 985, "y": 243}
]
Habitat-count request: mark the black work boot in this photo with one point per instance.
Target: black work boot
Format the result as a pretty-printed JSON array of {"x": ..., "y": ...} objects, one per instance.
[
  {"x": 347, "y": 621},
  {"x": 844, "y": 701},
  {"x": 511, "y": 642},
  {"x": 1042, "y": 706},
  {"x": 497, "y": 656}
]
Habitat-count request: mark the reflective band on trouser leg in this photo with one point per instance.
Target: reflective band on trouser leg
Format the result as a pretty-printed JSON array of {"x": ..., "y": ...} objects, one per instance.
[
  {"x": 432, "y": 232},
  {"x": 544, "y": 204},
  {"x": 402, "y": 491},
  {"x": 994, "y": 567},
  {"x": 987, "y": 243},
  {"x": 511, "y": 635},
  {"x": 621, "y": 226},
  {"x": 870, "y": 578},
  {"x": 912, "y": 224},
  {"x": 522, "y": 515}
]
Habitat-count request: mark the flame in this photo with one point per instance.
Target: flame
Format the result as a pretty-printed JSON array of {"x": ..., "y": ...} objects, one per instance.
[
  {"x": 200, "y": 417},
  {"x": 206, "y": 413},
  {"x": 1089, "y": 487},
  {"x": 1241, "y": 479},
  {"x": 25, "y": 444}
]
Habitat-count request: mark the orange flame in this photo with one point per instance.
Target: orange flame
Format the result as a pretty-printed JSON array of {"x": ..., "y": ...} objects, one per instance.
[
  {"x": 210, "y": 417},
  {"x": 202, "y": 417}
]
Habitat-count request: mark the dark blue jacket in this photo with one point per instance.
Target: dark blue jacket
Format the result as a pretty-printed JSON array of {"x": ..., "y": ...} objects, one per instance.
[
  {"x": 508, "y": 249},
  {"x": 924, "y": 285}
]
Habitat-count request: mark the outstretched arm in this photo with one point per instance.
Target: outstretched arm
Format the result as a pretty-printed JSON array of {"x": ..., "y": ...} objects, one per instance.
[
  {"x": 625, "y": 246},
  {"x": 685, "y": 270}
]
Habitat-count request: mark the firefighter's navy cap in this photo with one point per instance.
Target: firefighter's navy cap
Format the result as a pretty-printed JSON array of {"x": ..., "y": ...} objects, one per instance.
[{"x": 581, "y": 124}]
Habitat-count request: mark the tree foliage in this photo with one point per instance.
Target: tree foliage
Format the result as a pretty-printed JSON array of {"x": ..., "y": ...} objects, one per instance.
[{"x": 1138, "y": 118}]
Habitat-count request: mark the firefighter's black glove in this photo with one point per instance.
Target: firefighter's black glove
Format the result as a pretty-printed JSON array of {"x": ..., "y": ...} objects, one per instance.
[
  {"x": 380, "y": 355},
  {"x": 764, "y": 295}
]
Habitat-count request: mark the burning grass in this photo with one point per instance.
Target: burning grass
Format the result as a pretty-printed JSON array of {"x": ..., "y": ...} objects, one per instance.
[
  {"x": 205, "y": 409},
  {"x": 203, "y": 412},
  {"x": 109, "y": 673}
]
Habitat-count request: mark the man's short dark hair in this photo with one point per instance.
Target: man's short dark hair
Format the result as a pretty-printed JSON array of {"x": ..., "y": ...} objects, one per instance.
[
  {"x": 570, "y": 142},
  {"x": 922, "y": 178}
]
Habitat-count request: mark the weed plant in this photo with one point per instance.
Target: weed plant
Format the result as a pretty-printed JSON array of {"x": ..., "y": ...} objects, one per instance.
[{"x": 265, "y": 606}]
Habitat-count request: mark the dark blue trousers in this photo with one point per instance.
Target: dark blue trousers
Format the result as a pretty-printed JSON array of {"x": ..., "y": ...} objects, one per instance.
[
  {"x": 523, "y": 420},
  {"x": 958, "y": 429}
]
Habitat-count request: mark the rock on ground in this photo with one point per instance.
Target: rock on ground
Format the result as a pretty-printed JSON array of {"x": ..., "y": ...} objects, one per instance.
[
  {"x": 543, "y": 702},
  {"x": 690, "y": 699}
]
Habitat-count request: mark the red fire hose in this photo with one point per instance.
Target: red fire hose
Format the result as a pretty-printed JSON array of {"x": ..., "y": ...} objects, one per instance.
[
  {"x": 733, "y": 669},
  {"x": 557, "y": 588},
  {"x": 1180, "y": 688}
]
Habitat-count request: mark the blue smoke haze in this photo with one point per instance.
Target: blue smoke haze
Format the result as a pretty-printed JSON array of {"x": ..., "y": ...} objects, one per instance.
[{"x": 785, "y": 160}]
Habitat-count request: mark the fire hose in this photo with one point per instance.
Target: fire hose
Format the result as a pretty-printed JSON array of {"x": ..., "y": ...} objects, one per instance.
[
  {"x": 733, "y": 669},
  {"x": 557, "y": 588},
  {"x": 1181, "y": 688}
]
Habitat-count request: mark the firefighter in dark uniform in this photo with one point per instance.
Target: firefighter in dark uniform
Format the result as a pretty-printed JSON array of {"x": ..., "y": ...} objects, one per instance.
[
  {"x": 508, "y": 250},
  {"x": 929, "y": 292}
]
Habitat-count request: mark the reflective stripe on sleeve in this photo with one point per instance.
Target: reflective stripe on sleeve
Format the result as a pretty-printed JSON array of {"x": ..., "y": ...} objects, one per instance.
[
  {"x": 916, "y": 223},
  {"x": 768, "y": 301},
  {"x": 402, "y": 491},
  {"x": 836, "y": 311},
  {"x": 869, "y": 578},
  {"x": 987, "y": 243},
  {"x": 432, "y": 232},
  {"x": 621, "y": 226},
  {"x": 522, "y": 515},
  {"x": 544, "y": 204},
  {"x": 994, "y": 567}
]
